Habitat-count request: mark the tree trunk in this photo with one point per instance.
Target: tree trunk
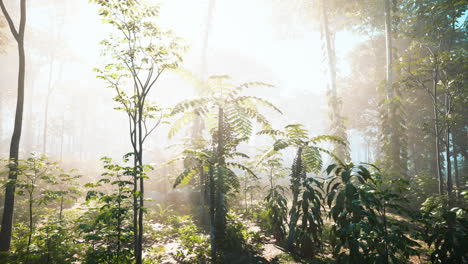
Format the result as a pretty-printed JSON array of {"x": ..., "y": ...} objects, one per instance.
[
  {"x": 220, "y": 209},
  {"x": 206, "y": 37},
  {"x": 141, "y": 191},
  {"x": 388, "y": 49},
  {"x": 30, "y": 226},
  {"x": 336, "y": 126},
  {"x": 198, "y": 123},
  {"x": 212, "y": 216},
  {"x": 329, "y": 50},
  {"x": 7, "y": 220},
  {"x": 447, "y": 156},
  {"x": 436, "y": 130},
  {"x": 455, "y": 165}
]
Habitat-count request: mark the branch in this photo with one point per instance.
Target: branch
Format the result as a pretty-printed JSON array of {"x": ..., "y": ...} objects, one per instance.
[
  {"x": 152, "y": 129},
  {"x": 9, "y": 20}
]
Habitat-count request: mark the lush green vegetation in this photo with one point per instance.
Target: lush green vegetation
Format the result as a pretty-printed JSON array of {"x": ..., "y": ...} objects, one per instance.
[{"x": 294, "y": 198}]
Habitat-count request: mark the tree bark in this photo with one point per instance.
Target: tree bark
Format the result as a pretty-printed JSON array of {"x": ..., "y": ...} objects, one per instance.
[
  {"x": 336, "y": 126},
  {"x": 436, "y": 129},
  {"x": 388, "y": 50},
  {"x": 220, "y": 221},
  {"x": 447, "y": 153},
  {"x": 212, "y": 217},
  {"x": 7, "y": 220},
  {"x": 455, "y": 167}
]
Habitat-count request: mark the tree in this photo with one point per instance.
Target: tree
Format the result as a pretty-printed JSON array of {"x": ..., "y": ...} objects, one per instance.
[
  {"x": 337, "y": 127},
  {"x": 141, "y": 52},
  {"x": 231, "y": 117},
  {"x": 434, "y": 63},
  {"x": 34, "y": 170},
  {"x": 8, "y": 209}
]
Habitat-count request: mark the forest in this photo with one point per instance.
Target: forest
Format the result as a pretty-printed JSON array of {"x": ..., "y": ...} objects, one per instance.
[{"x": 243, "y": 132}]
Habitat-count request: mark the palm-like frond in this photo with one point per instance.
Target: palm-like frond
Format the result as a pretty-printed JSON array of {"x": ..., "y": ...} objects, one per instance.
[
  {"x": 182, "y": 121},
  {"x": 186, "y": 176},
  {"x": 257, "y": 100},
  {"x": 198, "y": 104}
]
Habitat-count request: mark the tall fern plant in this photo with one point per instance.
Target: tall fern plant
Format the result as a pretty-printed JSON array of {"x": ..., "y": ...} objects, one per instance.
[
  {"x": 229, "y": 118},
  {"x": 306, "y": 191}
]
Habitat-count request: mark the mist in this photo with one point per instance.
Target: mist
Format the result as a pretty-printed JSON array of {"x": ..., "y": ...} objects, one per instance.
[{"x": 260, "y": 107}]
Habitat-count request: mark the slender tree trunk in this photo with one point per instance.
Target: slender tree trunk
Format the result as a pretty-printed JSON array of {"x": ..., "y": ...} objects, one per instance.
[
  {"x": 212, "y": 216},
  {"x": 141, "y": 191},
  {"x": 436, "y": 130},
  {"x": 449, "y": 163},
  {"x": 211, "y": 5},
  {"x": 271, "y": 178},
  {"x": 119, "y": 223},
  {"x": 336, "y": 126},
  {"x": 388, "y": 50},
  {"x": 46, "y": 109},
  {"x": 245, "y": 195},
  {"x": 198, "y": 123},
  {"x": 455, "y": 167},
  {"x": 61, "y": 209},
  {"x": 329, "y": 50},
  {"x": 220, "y": 208},
  {"x": 7, "y": 220},
  {"x": 30, "y": 226}
]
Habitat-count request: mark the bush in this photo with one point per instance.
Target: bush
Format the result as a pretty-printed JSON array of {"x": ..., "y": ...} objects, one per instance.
[{"x": 446, "y": 230}]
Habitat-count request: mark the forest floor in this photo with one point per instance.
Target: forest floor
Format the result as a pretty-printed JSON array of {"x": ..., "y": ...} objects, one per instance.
[{"x": 179, "y": 241}]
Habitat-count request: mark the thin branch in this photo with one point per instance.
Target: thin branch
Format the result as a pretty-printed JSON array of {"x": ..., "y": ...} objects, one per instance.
[{"x": 9, "y": 20}]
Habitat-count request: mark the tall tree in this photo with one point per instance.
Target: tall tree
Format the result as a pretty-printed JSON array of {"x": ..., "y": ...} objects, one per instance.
[
  {"x": 232, "y": 116},
  {"x": 337, "y": 126},
  {"x": 140, "y": 53},
  {"x": 7, "y": 220}
]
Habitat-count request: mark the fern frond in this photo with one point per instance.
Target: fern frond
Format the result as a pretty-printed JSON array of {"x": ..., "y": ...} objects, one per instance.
[
  {"x": 185, "y": 119},
  {"x": 323, "y": 138},
  {"x": 271, "y": 132},
  {"x": 258, "y": 100},
  {"x": 241, "y": 167},
  {"x": 336, "y": 158},
  {"x": 311, "y": 159},
  {"x": 281, "y": 143},
  {"x": 186, "y": 176},
  {"x": 199, "y": 103}
]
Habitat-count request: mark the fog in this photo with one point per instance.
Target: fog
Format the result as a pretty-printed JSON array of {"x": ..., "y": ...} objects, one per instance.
[{"x": 248, "y": 40}]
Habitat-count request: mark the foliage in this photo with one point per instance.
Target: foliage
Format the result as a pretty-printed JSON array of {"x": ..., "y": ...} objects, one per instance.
[
  {"x": 239, "y": 239},
  {"x": 306, "y": 192},
  {"x": 107, "y": 223},
  {"x": 446, "y": 230},
  {"x": 230, "y": 118},
  {"x": 194, "y": 245},
  {"x": 359, "y": 203},
  {"x": 140, "y": 52},
  {"x": 276, "y": 212},
  {"x": 309, "y": 211},
  {"x": 44, "y": 235},
  {"x": 163, "y": 213}
]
